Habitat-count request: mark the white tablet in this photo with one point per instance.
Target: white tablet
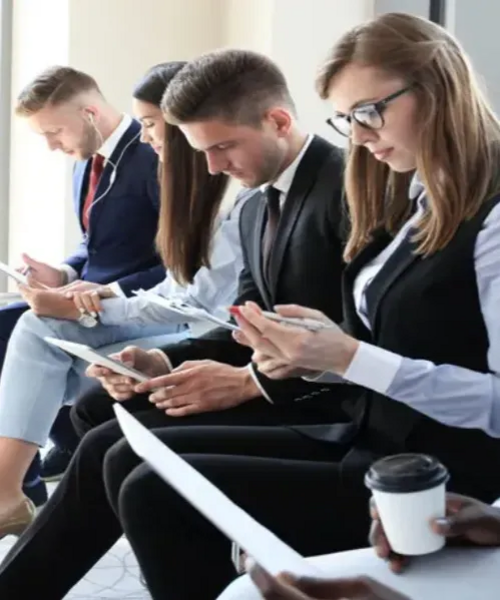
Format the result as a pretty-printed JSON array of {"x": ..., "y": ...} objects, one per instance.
[
  {"x": 92, "y": 356},
  {"x": 19, "y": 277},
  {"x": 260, "y": 543}
]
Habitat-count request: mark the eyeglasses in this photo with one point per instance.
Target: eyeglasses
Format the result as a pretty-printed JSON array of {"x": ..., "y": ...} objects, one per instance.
[{"x": 369, "y": 116}]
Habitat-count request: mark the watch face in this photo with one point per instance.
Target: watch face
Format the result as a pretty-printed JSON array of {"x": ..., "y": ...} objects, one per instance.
[{"x": 87, "y": 321}]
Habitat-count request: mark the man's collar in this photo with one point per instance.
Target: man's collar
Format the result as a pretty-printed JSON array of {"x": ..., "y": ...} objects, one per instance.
[
  {"x": 284, "y": 181},
  {"x": 111, "y": 143}
]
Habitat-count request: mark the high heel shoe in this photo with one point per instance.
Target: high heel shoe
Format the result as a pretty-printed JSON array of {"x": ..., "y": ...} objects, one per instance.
[{"x": 16, "y": 521}]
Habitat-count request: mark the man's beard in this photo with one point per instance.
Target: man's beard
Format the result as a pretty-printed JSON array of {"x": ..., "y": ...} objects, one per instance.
[
  {"x": 91, "y": 141},
  {"x": 272, "y": 166}
]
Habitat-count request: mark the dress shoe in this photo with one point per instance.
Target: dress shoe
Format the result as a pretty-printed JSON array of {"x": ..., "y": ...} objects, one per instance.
[{"x": 18, "y": 519}]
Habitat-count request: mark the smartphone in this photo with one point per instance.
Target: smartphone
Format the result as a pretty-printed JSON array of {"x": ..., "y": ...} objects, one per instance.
[
  {"x": 92, "y": 356},
  {"x": 19, "y": 277}
]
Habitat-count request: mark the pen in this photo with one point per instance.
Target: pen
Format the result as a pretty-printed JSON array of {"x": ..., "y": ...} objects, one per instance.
[{"x": 309, "y": 324}]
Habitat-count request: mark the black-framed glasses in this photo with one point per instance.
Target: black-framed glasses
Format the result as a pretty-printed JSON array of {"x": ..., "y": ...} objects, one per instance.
[{"x": 369, "y": 116}]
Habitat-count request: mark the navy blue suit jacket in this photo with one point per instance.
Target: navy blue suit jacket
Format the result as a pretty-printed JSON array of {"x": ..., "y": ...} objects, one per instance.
[{"x": 120, "y": 243}]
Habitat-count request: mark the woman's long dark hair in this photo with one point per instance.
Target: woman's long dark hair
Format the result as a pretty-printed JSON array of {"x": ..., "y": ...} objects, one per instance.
[{"x": 190, "y": 196}]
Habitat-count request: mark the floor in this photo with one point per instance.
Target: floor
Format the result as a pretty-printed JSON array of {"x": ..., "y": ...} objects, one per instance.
[{"x": 116, "y": 576}]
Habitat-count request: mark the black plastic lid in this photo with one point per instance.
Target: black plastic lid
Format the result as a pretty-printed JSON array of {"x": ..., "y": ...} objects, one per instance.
[{"x": 404, "y": 473}]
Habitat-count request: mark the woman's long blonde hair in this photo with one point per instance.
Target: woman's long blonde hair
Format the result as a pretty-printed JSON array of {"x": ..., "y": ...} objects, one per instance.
[{"x": 459, "y": 134}]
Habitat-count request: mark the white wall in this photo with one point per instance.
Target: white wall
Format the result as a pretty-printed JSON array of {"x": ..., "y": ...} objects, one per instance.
[
  {"x": 303, "y": 32},
  {"x": 477, "y": 31},
  {"x": 127, "y": 37},
  {"x": 38, "y": 184},
  {"x": 420, "y": 8},
  {"x": 249, "y": 24},
  {"x": 297, "y": 34}
]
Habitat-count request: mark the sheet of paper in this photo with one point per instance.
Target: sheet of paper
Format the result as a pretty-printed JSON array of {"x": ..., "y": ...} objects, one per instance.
[
  {"x": 183, "y": 309},
  {"x": 273, "y": 554},
  {"x": 458, "y": 573}
]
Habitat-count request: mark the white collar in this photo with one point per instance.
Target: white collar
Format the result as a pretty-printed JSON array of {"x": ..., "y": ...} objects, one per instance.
[
  {"x": 284, "y": 181},
  {"x": 417, "y": 191},
  {"x": 111, "y": 143}
]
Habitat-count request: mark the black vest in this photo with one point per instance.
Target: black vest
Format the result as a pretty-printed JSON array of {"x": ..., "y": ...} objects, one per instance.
[{"x": 426, "y": 308}]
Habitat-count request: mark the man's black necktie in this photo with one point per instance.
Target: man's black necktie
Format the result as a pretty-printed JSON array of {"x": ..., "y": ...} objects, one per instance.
[{"x": 273, "y": 217}]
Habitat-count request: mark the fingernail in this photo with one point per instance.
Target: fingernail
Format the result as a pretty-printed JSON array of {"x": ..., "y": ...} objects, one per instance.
[
  {"x": 442, "y": 523},
  {"x": 249, "y": 563},
  {"x": 288, "y": 578},
  {"x": 93, "y": 314}
]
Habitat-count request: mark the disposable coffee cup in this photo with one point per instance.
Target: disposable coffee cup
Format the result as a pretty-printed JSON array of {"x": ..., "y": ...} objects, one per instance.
[{"x": 410, "y": 492}]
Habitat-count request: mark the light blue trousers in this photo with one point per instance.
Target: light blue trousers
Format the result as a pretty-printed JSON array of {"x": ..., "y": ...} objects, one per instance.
[{"x": 38, "y": 378}]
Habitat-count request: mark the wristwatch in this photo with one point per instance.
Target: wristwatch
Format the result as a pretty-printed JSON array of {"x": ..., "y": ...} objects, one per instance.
[{"x": 87, "y": 320}]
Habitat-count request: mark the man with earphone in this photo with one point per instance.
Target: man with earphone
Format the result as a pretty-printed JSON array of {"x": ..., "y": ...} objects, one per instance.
[{"x": 116, "y": 199}]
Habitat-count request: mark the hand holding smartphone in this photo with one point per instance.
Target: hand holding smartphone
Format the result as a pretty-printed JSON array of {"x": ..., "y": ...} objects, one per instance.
[
  {"x": 92, "y": 356},
  {"x": 16, "y": 275}
]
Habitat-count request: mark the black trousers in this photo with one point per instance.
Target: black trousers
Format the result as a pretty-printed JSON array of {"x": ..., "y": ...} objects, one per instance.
[{"x": 288, "y": 482}]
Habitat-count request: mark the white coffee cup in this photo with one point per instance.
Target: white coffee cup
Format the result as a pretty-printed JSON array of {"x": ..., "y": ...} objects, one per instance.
[{"x": 410, "y": 492}]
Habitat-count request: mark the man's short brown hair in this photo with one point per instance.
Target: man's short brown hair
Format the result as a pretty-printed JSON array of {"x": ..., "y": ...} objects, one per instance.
[
  {"x": 236, "y": 86},
  {"x": 54, "y": 86}
]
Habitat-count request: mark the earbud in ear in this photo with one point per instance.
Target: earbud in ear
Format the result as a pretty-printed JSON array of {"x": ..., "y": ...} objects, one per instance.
[{"x": 90, "y": 117}]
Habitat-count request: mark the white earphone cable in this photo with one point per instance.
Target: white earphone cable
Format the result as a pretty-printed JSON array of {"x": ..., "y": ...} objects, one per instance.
[{"x": 112, "y": 177}]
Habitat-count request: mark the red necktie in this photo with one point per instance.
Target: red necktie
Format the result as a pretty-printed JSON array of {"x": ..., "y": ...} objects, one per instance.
[{"x": 95, "y": 174}]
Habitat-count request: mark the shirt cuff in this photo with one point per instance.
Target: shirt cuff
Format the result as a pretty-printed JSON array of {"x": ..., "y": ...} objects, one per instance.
[
  {"x": 163, "y": 356},
  {"x": 373, "y": 367},
  {"x": 324, "y": 377},
  {"x": 258, "y": 384},
  {"x": 116, "y": 289},
  {"x": 69, "y": 272}
]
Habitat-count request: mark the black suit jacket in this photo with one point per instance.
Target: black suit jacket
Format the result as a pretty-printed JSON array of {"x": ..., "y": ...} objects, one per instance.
[{"x": 305, "y": 268}]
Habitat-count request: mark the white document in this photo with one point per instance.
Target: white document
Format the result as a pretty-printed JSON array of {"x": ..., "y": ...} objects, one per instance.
[
  {"x": 268, "y": 550},
  {"x": 191, "y": 312},
  {"x": 92, "y": 356},
  {"x": 457, "y": 573},
  {"x": 19, "y": 277}
]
